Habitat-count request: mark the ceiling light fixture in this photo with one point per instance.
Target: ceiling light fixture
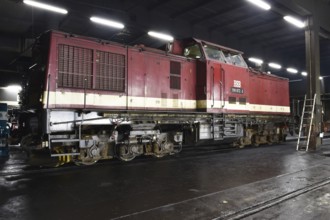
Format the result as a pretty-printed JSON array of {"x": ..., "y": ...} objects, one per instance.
[
  {"x": 275, "y": 65},
  {"x": 304, "y": 73},
  {"x": 13, "y": 88},
  {"x": 298, "y": 23},
  {"x": 161, "y": 36},
  {"x": 261, "y": 4},
  {"x": 107, "y": 22},
  {"x": 292, "y": 70},
  {"x": 46, "y": 6},
  {"x": 256, "y": 60}
]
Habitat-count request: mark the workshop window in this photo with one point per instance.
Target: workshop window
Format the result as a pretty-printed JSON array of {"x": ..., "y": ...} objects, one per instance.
[{"x": 175, "y": 75}]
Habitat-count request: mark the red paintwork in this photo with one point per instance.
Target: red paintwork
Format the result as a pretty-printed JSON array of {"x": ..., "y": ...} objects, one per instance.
[
  {"x": 268, "y": 90},
  {"x": 148, "y": 76}
]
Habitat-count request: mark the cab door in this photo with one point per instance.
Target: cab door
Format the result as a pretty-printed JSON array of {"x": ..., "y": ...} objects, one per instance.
[{"x": 216, "y": 86}]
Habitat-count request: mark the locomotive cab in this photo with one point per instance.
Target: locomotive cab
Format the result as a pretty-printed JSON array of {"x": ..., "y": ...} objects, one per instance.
[{"x": 222, "y": 76}]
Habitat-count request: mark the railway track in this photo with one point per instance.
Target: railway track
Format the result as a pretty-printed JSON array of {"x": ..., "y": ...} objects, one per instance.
[{"x": 18, "y": 163}]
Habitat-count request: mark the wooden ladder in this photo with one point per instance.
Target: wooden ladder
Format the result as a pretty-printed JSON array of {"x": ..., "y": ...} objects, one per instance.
[{"x": 307, "y": 117}]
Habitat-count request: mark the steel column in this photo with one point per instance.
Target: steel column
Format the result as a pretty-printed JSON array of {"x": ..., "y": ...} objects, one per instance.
[{"x": 313, "y": 81}]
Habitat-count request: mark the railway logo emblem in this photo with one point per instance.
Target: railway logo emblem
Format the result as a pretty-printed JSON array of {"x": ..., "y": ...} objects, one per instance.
[
  {"x": 237, "y": 84},
  {"x": 237, "y": 87}
]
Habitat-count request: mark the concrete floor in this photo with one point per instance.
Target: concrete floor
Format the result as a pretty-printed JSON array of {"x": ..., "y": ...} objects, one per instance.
[{"x": 270, "y": 182}]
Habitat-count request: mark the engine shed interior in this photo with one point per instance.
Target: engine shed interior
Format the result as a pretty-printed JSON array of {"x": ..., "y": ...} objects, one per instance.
[{"x": 141, "y": 109}]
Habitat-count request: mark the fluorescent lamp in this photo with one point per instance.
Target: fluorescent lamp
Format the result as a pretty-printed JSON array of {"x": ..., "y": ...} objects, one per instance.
[
  {"x": 295, "y": 21},
  {"x": 46, "y": 6},
  {"x": 275, "y": 65},
  {"x": 292, "y": 70},
  {"x": 161, "y": 36},
  {"x": 260, "y": 4},
  {"x": 107, "y": 22},
  {"x": 13, "y": 88},
  {"x": 304, "y": 73},
  {"x": 256, "y": 60}
]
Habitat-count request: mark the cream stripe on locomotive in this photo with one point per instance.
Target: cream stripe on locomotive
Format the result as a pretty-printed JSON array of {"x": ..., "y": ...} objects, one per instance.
[
  {"x": 202, "y": 104},
  {"x": 71, "y": 98}
]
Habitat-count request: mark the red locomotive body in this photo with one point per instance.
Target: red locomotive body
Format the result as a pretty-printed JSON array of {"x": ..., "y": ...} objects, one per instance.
[{"x": 98, "y": 99}]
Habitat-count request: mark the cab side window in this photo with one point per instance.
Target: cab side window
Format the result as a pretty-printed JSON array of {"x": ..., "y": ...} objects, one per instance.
[{"x": 193, "y": 51}]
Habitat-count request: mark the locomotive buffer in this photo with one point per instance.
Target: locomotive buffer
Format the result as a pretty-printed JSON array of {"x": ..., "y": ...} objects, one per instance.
[{"x": 306, "y": 122}]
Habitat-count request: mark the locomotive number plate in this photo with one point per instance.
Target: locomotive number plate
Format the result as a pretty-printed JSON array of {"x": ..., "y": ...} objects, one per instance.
[{"x": 237, "y": 90}]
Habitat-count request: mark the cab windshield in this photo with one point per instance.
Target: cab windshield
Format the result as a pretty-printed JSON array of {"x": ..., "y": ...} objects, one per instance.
[
  {"x": 214, "y": 53},
  {"x": 235, "y": 59}
]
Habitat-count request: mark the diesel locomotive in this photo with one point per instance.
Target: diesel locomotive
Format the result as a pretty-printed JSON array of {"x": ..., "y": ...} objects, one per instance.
[{"x": 87, "y": 99}]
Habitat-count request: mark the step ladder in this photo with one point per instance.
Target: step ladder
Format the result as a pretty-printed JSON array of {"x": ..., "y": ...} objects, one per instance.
[
  {"x": 217, "y": 127},
  {"x": 307, "y": 117}
]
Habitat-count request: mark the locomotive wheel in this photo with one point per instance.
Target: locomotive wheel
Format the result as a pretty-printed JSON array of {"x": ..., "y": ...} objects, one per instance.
[
  {"x": 124, "y": 153},
  {"x": 158, "y": 151},
  {"x": 240, "y": 142},
  {"x": 255, "y": 141},
  {"x": 177, "y": 149},
  {"x": 270, "y": 140}
]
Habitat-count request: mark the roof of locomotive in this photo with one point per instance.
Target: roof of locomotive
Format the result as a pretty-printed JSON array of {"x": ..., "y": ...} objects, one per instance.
[
  {"x": 159, "y": 50},
  {"x": 113, "y": 42},
  {"x": 217, "y": 45}
]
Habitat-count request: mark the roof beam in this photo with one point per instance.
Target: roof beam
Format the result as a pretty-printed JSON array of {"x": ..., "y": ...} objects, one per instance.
[
  {"x": 157, "y": 4},
  {"x": 198, "y": 5},
  {"x": 258, "y": 34},
  {"x": 234, "y": 21},
  {"x": 230, "y": 9},
  {"x": 279, "y": 37},
  {"x": 255, "y": 26},
  {"x": 291, "y": 44}
]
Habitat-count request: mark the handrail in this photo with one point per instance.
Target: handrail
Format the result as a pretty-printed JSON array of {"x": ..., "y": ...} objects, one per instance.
[
  {"x": 222, "y": 86},
  {"x": 212, "y": 68},
  {"x": 48, "y": 91},
  {"x": 221, "y": 90}
]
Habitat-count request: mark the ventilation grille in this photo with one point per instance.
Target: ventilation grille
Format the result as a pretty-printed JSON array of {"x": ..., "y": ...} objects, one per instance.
[
  {"x": 242, "y": 101},
  {"x": 175, "y": 75},
  {"x": 232, "y": 100},
  {"x": 110, "y": 71},
  {"x": 75, "y": 67}
]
